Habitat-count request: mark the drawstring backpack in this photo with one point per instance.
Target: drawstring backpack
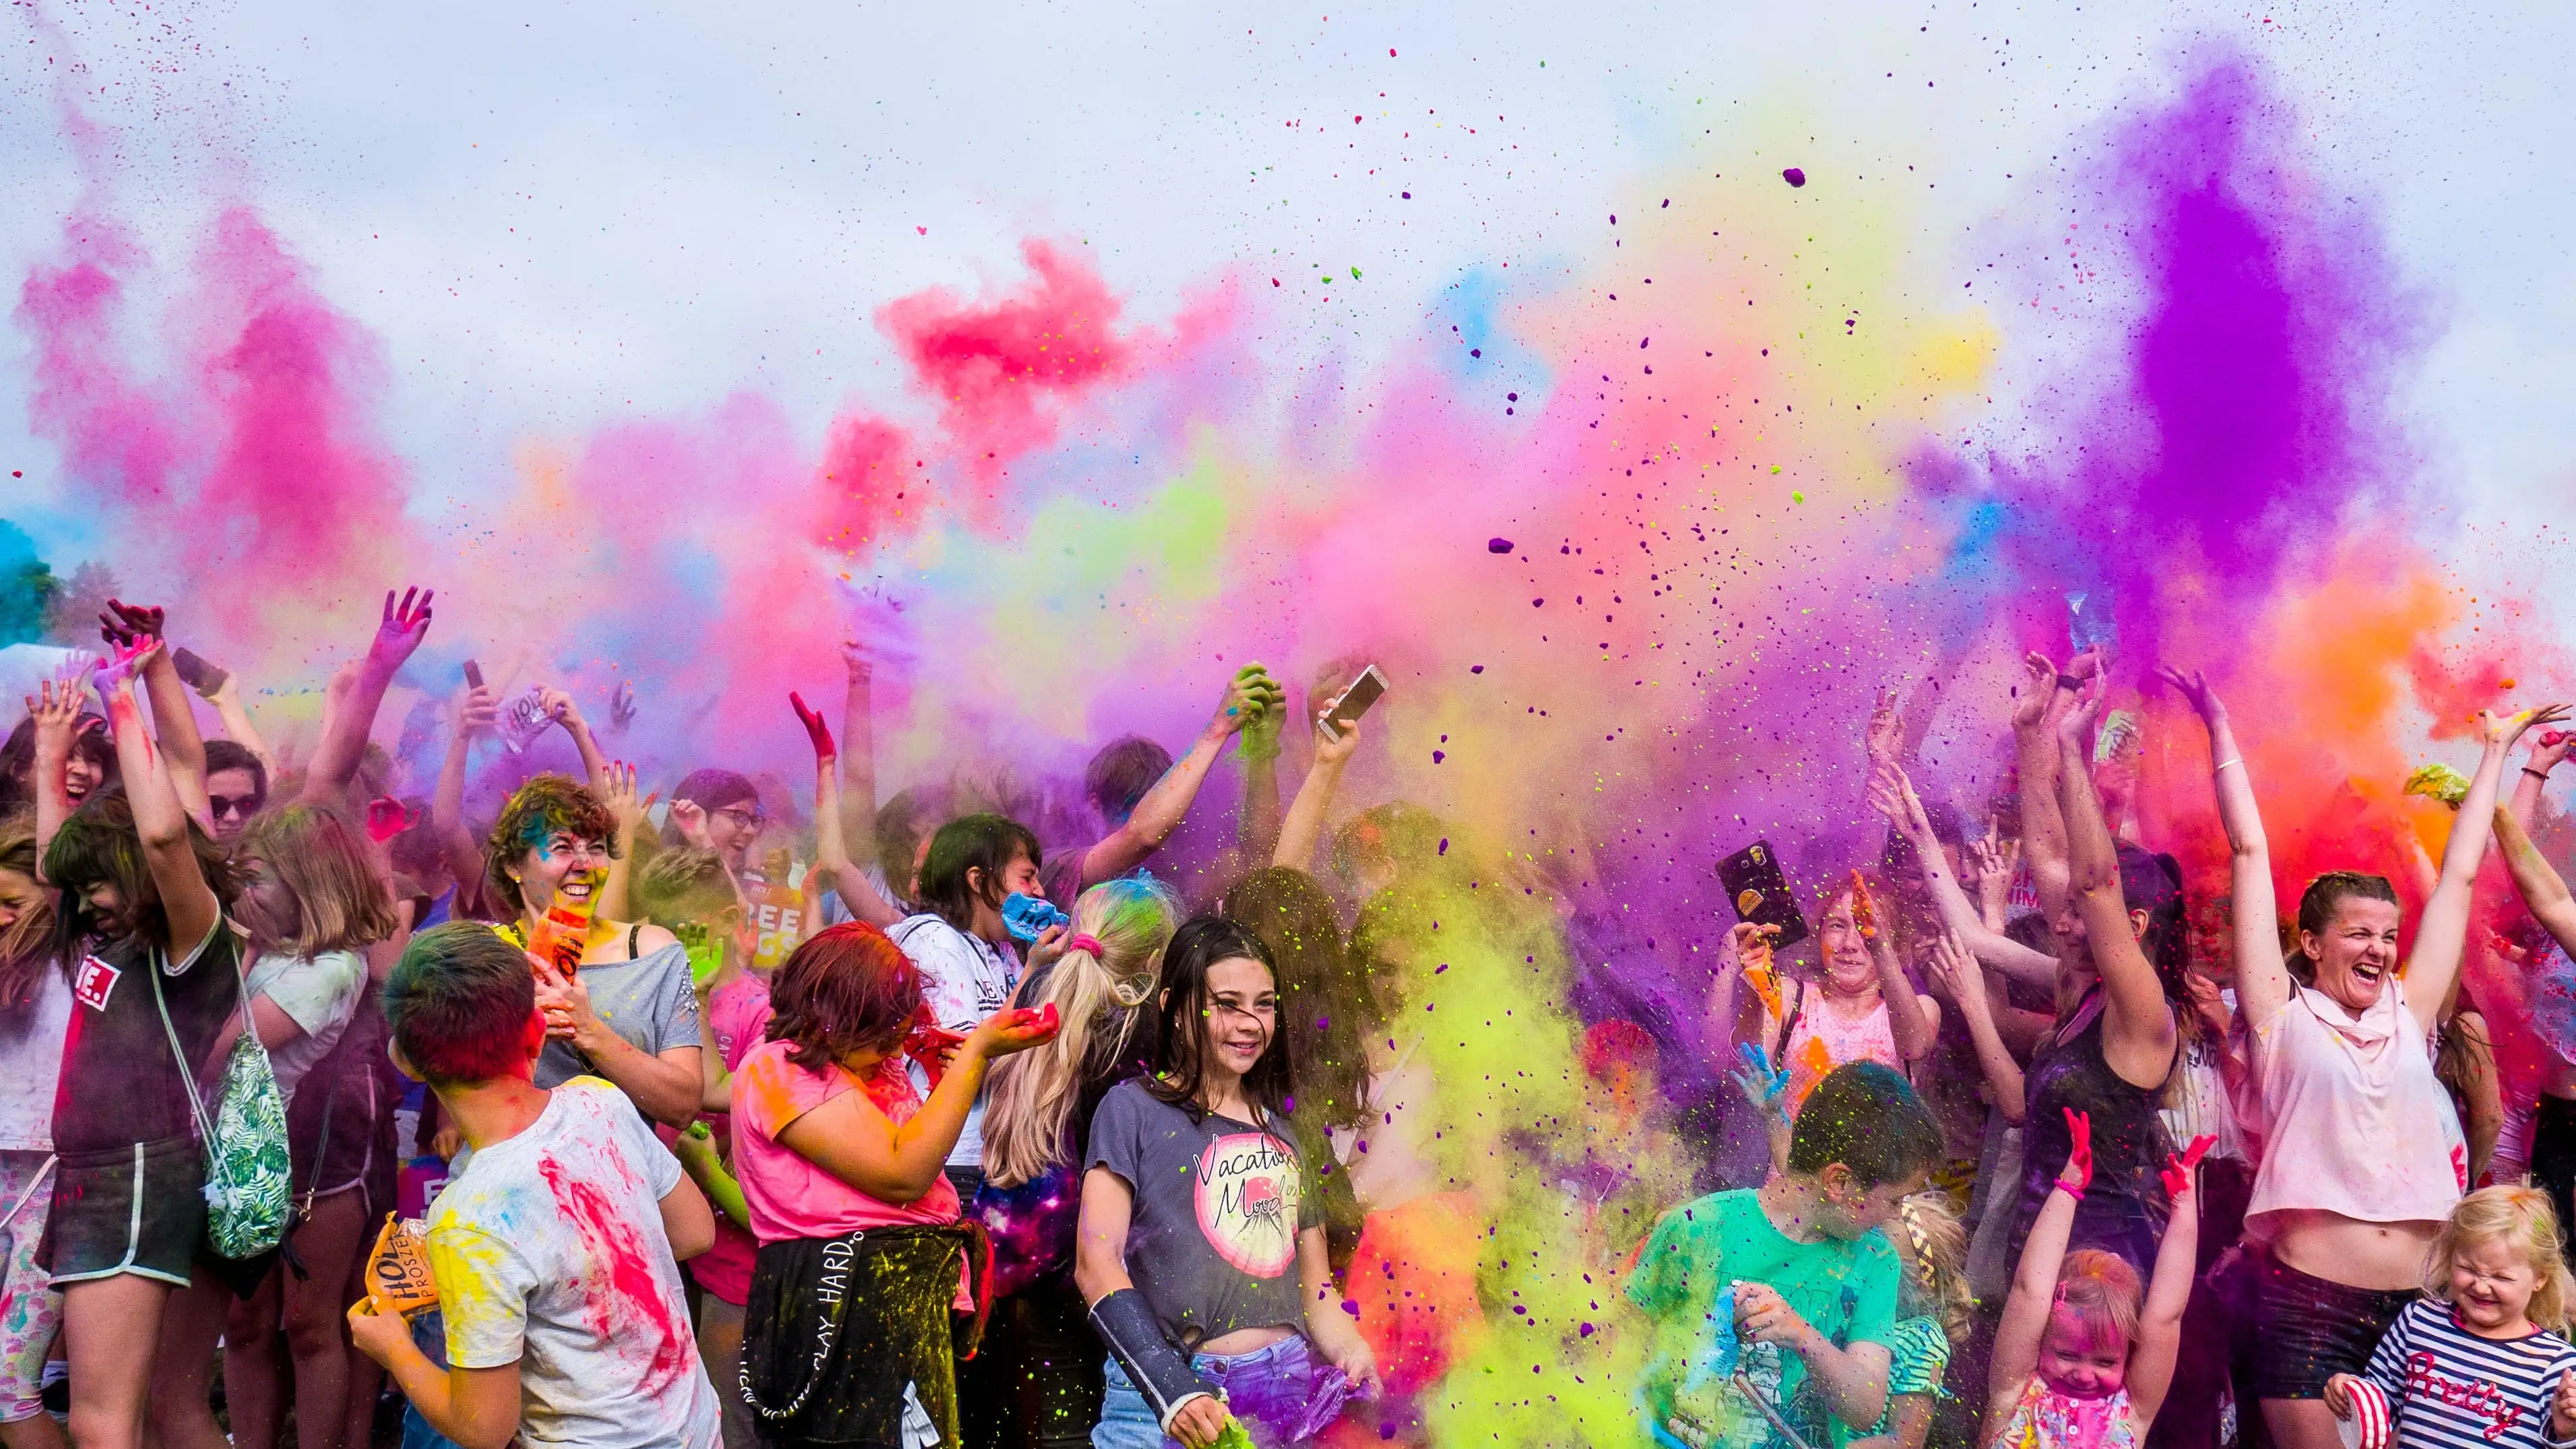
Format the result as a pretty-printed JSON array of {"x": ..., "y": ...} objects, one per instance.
[{"x": 248, "y": 1178}]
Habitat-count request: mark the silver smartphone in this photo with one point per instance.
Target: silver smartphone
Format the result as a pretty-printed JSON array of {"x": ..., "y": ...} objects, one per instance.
[{"x": 1354, "y": 701}]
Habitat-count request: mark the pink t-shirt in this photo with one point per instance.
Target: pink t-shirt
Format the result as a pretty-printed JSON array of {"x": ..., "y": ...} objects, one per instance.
[
  {"x": 790, "y": 1197},
  {"x": 2353, "y": 1119},
  {"x": 737, "y": 1013}
]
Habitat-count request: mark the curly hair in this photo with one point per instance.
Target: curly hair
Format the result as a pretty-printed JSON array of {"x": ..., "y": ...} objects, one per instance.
[
  {"x": 546, "y": 804},
  {"x": 847, "y": 989}
]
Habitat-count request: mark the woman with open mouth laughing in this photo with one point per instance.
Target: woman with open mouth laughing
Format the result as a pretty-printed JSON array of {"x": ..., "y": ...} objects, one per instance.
[
  {"x": 628, "y": 1012},
  {"x": 2364, "y": 1157}
]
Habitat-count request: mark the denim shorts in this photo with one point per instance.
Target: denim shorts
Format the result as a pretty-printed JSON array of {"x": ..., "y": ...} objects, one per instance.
[
  {"x": 1279, "y": 1393},
  {"x": 2308, "y": 1330}
]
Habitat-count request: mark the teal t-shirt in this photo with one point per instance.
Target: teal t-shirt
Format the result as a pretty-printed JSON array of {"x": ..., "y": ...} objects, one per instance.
[{"x": 1845, "y": 1290}]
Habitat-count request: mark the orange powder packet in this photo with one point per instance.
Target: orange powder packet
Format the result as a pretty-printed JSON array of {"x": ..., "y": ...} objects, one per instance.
[{"x": 398, "y": 1272}]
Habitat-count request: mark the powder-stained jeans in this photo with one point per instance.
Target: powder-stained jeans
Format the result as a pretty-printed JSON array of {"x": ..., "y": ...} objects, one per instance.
[{"x": 1280, "y": 1394}]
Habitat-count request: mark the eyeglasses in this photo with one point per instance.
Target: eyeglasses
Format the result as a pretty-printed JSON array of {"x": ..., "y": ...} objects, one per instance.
[
  {"x": 747, "y": 819},
  {"x": 239, "y": 806}
]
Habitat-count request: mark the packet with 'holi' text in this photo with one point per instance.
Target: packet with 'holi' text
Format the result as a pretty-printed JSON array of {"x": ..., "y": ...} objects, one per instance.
[{"x": 398, "y": 1275}]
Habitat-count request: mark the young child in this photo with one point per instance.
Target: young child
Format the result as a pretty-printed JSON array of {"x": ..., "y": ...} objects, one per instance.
[
  {"x": 1932, "y": 1306},
  {"x": 1782, "y": 1300},
  {"x": 2079, "y": 1363},
  {"x": 2483, "y": 1359},
  {"x": 556, "y": 1247}
]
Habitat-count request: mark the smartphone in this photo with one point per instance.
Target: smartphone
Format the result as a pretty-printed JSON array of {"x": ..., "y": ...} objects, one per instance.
[
  {"x": 1760, "y": 891},
  {"x": 473, "y": 674},
  {"x": 1355, "y": 701},
  {"x": 198, "y": 675}
]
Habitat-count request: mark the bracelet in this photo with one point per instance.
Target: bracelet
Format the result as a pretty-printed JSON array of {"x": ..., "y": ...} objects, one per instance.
[
  {"x": 2069, "y": 681},
  {"x": 2535, "y": 774},
  {"x": 2223, "y": 764},
  {"x": 2070, "y": 1189}
]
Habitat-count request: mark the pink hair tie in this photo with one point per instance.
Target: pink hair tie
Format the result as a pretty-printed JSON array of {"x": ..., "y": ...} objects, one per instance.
[{"x": 1083, "y": 943}]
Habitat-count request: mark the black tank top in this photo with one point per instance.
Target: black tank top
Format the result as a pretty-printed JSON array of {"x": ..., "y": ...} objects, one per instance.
[{"x": 2124, "y": 1210}]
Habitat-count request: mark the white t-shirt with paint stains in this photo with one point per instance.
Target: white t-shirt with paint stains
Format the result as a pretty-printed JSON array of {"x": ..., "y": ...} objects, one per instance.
[{"x": 549, "y": 1253}]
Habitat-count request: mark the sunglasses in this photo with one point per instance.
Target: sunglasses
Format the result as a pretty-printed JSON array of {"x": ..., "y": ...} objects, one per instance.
[{"x": 239, "y": 806}]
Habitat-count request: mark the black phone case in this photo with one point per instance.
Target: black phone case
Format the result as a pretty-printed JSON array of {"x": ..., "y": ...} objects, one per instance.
[
  {"x": 195, "y": 672},
  {"x": 1760, "y": 892}
]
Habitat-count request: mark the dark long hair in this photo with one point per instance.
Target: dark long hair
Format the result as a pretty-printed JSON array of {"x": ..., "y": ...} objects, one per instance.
[
  {"x": 1324, "y": 1005},
  {"x": 18, "y": 760},
  {"x": 971, "y": 842},
  {"x": 99, "y": 844},
  {"x": 1200, "y": 943}
]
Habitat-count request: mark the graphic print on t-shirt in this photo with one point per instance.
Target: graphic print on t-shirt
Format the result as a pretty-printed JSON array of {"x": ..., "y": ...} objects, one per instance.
[
  {"x": 1248, "y": 1194},
  {"x": 94, "y": 982}
]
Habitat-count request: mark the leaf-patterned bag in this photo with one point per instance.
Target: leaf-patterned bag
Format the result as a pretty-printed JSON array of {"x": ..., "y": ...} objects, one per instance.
[{"x": 247, "y": 1171}]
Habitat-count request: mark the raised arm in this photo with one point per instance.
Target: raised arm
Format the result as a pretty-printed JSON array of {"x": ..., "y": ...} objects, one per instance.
[
  {"x": 616, "y": 789},
  {"x": 344, "y": 739},
  {"x": 222, "y": 689},
  {"x": 2034, "y": 1285},
  {"x": 831, "y": 848},
  {"x": 55, "y": 707},
  {"x": 1159, "y": 813},
  {"x": 174, "y": 724},
  {"x": 2042, "y": 697},
  {"x": 559, "y": 707},
  {"x": 2548, "y": 750},
  {"x": 898, "y": 1163},
  {"x": 2543, "y": 891},
  {"x": 2262, "y": 980},
  {"x": 1257, "y": 825},
  {"x": 1305, "y": 822},
  {"x": 475, "y": 711},
  {"x": 1912, "y": 1020},
  {"x": 187, "y": 901},
  {"x": 2442, "y": 934},
  {"x": 1957, "y": 971},
  {"x": 2151, "y": 1358},
  {"x": 1892, "y": 794},
  {"x": 2138, "y": 1028},
  {"x": 858, "y": 732}
]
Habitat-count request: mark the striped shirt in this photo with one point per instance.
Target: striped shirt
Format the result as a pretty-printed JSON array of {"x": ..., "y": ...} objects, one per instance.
[{"x": 2455, "y": 1390}]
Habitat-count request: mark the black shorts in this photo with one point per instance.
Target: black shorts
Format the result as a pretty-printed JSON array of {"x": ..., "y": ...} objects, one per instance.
[
  {"x": 139, "y": 1210},
  {"x": 2307, "y": 1330}
]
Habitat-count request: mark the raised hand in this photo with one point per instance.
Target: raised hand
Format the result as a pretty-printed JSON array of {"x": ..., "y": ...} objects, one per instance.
[
  {"x": 2077, "y": 1175},
  {"x": 56, "y": 710},
  {"x": 1953, "y": 967},
  {"x": 1864, "y": 911},
  {"x": 558, "y": 706},
  {"x": 388, "y": 817},
  {"x": 2502, "y": 732},
  {"x": 617, "y": 790},
  {"x": 621, "y": 705},
  {"x": 1331, "y": 748},
  {"x": 815, "y": 729},
  {"x": 2037, "y": 688},
  {"x": 2180, "y": 1170},
  {"x": 402, "y": 628},
  {"x": 476, "y": 710},
  {"x": 1763, "y": 1085},
  {"x": 1886, "y": 730},
  {"x": 2075, "y": 727},
  {"x": 690, "y": 819},
  {"x": 2195, "y": 688},
  {"x": 1247, "y": 695},
  {"x": 121, "y": 624},
  {"x": 119, "y": 669}
]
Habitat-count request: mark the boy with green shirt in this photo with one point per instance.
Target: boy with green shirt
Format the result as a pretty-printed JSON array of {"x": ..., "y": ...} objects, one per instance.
[{"x": 1788, "y": 1287}]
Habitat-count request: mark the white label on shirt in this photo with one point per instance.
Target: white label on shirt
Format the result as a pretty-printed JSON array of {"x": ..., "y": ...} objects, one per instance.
[{"x": 95, "y": 981}]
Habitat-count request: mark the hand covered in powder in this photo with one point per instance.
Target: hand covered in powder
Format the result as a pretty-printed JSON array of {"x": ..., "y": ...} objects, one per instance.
[
  {"x": 121, "y": 624},
  {"x": 401, "y": 629},
  {"x": 2181, "y": 1171},
  {"x": 2077, "y": 1175},
  {"x": 1763, "y": 1085},
  {"x": 816, "y": 731},
  {"x": 2501, "y": 733}
]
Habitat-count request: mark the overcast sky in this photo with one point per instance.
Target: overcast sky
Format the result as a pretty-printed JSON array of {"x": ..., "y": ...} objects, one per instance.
[{"x": 556, "y": 214}]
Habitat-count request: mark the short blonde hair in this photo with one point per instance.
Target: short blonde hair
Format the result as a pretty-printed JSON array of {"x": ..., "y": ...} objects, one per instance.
[{"x": 2520, "y": 1216}]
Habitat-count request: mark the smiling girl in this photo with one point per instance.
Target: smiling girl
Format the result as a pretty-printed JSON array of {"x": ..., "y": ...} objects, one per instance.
[
  {"x": 2483, "y": 1360},
  {"x": 630, "y": 1013},
  {"x": 1195, "y": 1207}
]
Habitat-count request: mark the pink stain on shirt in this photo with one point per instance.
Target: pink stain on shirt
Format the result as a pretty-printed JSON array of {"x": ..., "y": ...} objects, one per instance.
[{"x": 635, "y": 1297}]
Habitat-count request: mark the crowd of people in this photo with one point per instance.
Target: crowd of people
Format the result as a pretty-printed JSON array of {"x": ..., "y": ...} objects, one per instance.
[{"x": 960, "y": 1117}]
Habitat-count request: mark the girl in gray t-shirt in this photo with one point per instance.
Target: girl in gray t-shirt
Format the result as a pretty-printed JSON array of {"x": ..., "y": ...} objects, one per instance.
[{"x": 1195, "y": 1210}]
